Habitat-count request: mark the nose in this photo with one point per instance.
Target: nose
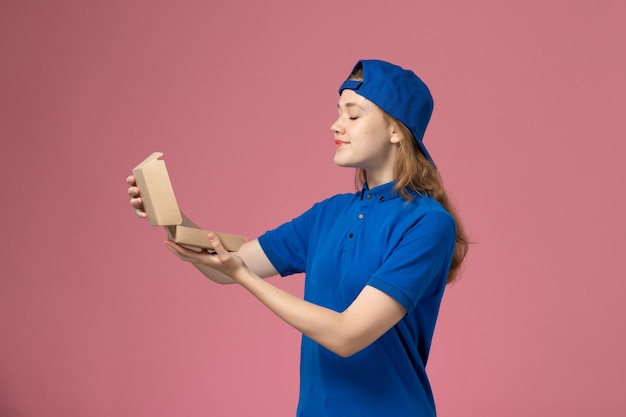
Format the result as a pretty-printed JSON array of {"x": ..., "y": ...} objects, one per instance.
[{"x": 337, "y": 127}]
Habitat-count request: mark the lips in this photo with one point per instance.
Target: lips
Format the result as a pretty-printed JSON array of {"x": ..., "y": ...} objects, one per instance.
[{"x": 339, "y": 143}]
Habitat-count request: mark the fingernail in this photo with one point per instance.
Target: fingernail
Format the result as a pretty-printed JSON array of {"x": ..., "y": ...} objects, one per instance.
[{"x": 212, "y": 236}]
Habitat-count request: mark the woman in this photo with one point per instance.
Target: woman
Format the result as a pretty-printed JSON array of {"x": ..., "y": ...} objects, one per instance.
[{"x": 376, "y": 261}]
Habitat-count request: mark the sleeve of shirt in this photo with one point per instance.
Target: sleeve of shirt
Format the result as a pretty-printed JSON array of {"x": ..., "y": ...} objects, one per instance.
[
  {"x": 418, "y": 266},
  {"x": 287, "y": 246}
]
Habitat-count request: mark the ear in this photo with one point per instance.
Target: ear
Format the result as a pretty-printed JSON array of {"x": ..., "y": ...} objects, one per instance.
[{"x": 396, "y": 134}]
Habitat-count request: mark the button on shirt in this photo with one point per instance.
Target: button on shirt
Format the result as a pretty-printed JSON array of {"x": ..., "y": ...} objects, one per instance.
[{"x": 372, "y": 237}]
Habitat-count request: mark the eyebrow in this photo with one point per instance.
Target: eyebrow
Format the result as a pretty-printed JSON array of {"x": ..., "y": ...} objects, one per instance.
[{"x": 350, "y": 104}]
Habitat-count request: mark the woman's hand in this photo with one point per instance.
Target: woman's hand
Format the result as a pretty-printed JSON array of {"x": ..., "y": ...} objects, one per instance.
[
  {"x": 219, "y": 259},
  {"x": 220, "y": 271},
  {"x": 135, "y": 197}
]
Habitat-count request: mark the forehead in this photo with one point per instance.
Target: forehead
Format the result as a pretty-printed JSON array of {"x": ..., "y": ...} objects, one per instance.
[{"x": 349, "y": 98}]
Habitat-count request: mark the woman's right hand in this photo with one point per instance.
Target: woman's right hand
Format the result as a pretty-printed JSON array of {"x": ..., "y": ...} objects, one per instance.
[{"x": 135, "y": 197}]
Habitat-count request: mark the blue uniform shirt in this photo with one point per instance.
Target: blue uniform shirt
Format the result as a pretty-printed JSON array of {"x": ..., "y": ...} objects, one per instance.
[{"x": 373, "y": 237}]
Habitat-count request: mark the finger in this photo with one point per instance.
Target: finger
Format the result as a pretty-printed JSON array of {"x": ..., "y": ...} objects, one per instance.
[
  {"x": 219, "y": 249},
  {"x": 130, "y": 180},
  {"x": 176, "y": 249},
  {"x": 133, "y": 191},
  {"x": 183, "y": 253},
  {"x": 136, "y": 202},
  {"x": 216, "y": 243}
]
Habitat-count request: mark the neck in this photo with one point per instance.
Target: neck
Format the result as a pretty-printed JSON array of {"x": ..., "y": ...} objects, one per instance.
[{"x": 374, "y": 179}]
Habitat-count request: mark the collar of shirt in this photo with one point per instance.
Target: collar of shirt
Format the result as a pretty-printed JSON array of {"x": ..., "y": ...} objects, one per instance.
[{"x": 384, "y": 192}]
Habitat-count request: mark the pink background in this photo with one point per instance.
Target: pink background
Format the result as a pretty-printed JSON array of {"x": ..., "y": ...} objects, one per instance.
[{"x": 98, "y": 319}]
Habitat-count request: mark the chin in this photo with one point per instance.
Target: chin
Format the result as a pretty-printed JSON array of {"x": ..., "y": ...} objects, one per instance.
[{"x": 341, "y": 162}]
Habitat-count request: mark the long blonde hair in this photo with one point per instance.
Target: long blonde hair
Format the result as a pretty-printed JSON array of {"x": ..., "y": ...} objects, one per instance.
[{"x": 413, "y": 172}]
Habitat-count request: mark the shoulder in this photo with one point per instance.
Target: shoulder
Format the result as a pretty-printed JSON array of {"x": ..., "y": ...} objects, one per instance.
[
  {"x": 424, "y": 205},
  {"x": 335, "y": 202},
  {"x": 427, "y": 204},
  {"x": 339, "y": 198},
  {"x": 426, "y": 212}
]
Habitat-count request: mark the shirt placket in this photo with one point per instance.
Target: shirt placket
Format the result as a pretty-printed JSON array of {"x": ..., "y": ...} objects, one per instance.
[{"x": 359, "y": 217}]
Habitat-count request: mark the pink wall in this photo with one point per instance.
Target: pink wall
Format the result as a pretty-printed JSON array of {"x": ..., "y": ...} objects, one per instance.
[{"x": 97, "y": 319}]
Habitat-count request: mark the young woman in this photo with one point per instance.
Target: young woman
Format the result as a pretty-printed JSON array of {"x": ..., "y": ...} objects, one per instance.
[{"x": 376, "y": 261}]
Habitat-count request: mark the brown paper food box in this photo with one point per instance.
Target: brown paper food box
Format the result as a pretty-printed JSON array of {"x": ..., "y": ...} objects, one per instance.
[{"x": 162, "y": 209}]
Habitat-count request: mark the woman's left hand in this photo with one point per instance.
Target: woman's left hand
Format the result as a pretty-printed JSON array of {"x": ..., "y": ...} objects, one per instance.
[{"x": 221, "y": 260}]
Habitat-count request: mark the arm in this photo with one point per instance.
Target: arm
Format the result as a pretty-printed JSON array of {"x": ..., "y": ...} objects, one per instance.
[
  {"x": 250, "y": 252},
  {"x": 345, "y": 333}
]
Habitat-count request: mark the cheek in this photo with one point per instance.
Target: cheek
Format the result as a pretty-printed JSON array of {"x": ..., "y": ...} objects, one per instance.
[{"x": 376, "y": 136}]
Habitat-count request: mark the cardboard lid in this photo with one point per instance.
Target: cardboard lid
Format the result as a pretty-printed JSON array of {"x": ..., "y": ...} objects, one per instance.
[{"x": 157, "y": 193}]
